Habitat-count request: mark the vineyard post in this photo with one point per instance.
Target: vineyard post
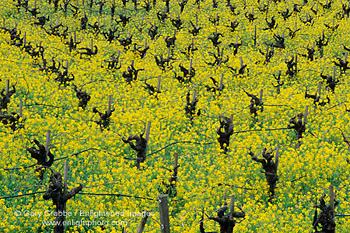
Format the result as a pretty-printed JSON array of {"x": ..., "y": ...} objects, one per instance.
[
  {"x": 75, "y": 37},
  {"x": 7, "y": 86},
  {"x": 241, "y": 61},
  {"x": 194, "y": 96},
  {"x": 92, "y": 44},
  {"x": 147, "y": 133},
  {"x": 190, "y": 66},
  {"x": 331, "y": 201},
  {"x": 277, "y": 155},
  {"x": 65, "y": 176},
  {"x": 296, "y": 62},
  {"x": 158, "y": 85},
  {"x": 321, "y": 49},
  {"x": 47, "y": 144},
  {"x": 221, "y": 81},
  {"x": 346, "y": 57},
  {"x": 232, "y": 204},
  {"x": 3, "y": 22},
  {"x": 173, "y": 177},
  {"x": 143, "y": 221},
  {"x": 24, "y": 38},
  {"x": 261, "y": 95},
  {"x": 176, "y": 159},
  {"x": 164, "y": 213},
  {"x": 109, "y": 104},
  {"x": 334, "y": 72},
  {"x": 305, "y": 115},
  {"x": 319, "y": 89},
  {"x": 20, "y": 108}
]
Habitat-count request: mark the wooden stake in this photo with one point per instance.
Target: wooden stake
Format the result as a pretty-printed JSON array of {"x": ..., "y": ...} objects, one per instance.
[
  {"x": 261, "y": 95},
  {"x": 221, "y": 81},
  {"x": 296, "y": 62},
  {"x": 7, "y": 86},
  {"x": 65, "y": 176},
  {"x": 143, "y": 221},
  {"x": 305, "y": 115},
  {"x": 164, "y": 213},
  {"x": 47, "y": 144},
  {"x": 277, "y": 154},
  {"x": 190, "y": 65},
  {"x": 66, "y": 65},
  {"x": 194, "y": 96},
  {"x": 92, "y": 44},
  {"x": 25, "y": 38},
  {"x": 3, "y": 22},
  {"x": 148, "y": 130},
  {"x": 346, "y": 57},
  {"x": 231, "y": 117},
  {"x": 176, "y": 159},
  {"x": 331, "y": 200},
  {"x": 109, "y": 104},
  {"x": 334, "y": 71},
  {"x": 232, "y": 203},
  {"x": 319, "y": 89},
  {"x": 20, "y": 108},
  {"x": 75, "y": 37},
  {"x": 158, "y": 85},
  {"x": 241, "y": 60}
]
